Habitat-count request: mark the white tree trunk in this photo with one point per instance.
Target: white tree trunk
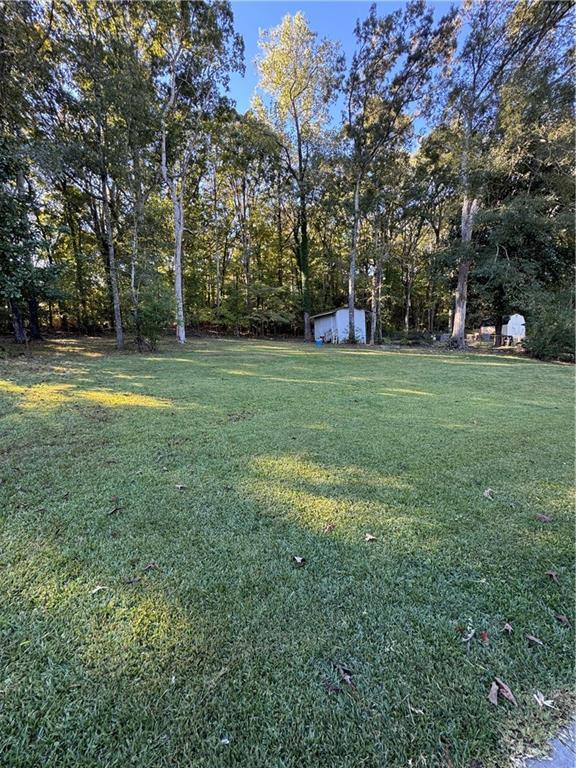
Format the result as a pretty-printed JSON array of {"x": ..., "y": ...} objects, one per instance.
[
  {"x": 178, "y": 289},
  {"x": 118, "y": 327},
  {"x": 352, "y": 270},
  {"x": 177, "y": 198},
  {"x": 469, "y": 210}
]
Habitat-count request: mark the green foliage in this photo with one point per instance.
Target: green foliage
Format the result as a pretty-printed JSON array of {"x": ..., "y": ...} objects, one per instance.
[
  {"x": 551, "y": 331},
  {"x": 263, "y": 200},
  {"x": 152, "y": 314}
]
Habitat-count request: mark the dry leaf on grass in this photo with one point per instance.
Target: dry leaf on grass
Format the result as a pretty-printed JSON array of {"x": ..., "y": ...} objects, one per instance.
[
  {"x": 370, "y": 537},
  {"x": 345, "y": 674},
  {"x": 329, "y": 527},
  {"x": 544, "y": 518},
  {"x": 181, "y": 487},
  {"x": 485, "y": 638},
  {"x": 542, "y": 701},
  {"x": 299, "y": 561},
  {"x": 507, "y": 628},
  {"x": 493, "y": 695},
  {"x": 563, "y": 619},
  {"x": 553, "y": 575},
  {"x": 534, "y": 640},
  {"x": 488, "y": 494},
  {"x": 99, "y": 588},
  {"x": 505, "y": 691},
  {"x": 151, "y": 567},
  {"x": 115, "y": 510}
]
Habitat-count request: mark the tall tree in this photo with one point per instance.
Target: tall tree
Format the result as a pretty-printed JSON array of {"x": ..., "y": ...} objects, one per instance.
[
  {"x": 503, "y": 36},
  {"x": 396, "y": 56},
  {"x": 300, "y": 75},
  {"x": 198, "y": 50}
]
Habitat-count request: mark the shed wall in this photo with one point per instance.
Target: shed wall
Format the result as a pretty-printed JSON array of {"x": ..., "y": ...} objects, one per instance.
[{"x": 359, "y": 324}]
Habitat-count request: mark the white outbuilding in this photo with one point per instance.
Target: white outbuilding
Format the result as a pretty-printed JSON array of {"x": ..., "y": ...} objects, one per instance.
[
  {"x": 514, "y": 326},
  {"x": 332, "y": 327}
]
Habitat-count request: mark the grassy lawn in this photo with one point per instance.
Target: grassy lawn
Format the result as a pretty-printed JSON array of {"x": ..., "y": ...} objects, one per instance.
[{"x": 150, "y": 506}]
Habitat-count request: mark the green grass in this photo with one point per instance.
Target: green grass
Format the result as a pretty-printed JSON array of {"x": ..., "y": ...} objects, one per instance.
[{"x": 284, "y": 450}]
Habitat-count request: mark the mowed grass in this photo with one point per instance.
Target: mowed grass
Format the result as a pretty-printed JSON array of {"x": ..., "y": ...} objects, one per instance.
[{"x": 151, "y": 613}]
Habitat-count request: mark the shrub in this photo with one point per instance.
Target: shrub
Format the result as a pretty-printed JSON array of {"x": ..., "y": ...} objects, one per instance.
[
  {"x": 153, "y": 316},
  {"x": 550, "y": 325}
]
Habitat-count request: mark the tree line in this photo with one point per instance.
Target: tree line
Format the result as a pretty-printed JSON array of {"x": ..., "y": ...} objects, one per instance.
[{"x": 428, "y": 180}]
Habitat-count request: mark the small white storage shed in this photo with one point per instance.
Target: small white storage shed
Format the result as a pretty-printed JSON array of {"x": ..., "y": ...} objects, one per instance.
[
  {"x": 332, "y": 327},
  {"x": 514, "y": 326}
]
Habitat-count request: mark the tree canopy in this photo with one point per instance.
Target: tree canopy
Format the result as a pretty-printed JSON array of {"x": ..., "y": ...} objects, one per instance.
[{"x": 429, "y": 180}]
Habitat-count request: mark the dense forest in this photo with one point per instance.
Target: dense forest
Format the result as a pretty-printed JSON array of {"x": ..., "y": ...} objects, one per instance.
[{"x": 428, "y": 180}]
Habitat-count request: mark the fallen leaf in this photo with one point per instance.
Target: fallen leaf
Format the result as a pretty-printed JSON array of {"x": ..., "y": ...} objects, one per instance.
[
  {"x": 534, "y": 640},
  {"x": 563, "y": 619},
  {"x": 329, "y": 527},
  {"x": 370, "y": 537},
  {"x": 181, "y": 487},
  {"x": 542, "y": 701},
  {"x": 135, "y": 580},
  {"x": 299, "y": 561},
  {"x": 114, "y": 511},
  {"x": 552, "y": 575},
  {"x": 345, "y": 674},
  {"x": 225, "y": 741},
  {"x": 507, "y": 628},
  {"x": 488, "y": 494},
  {"x": 485, "y": 637},
  {"x": 493, "y": 695},
  {"x": 99, "y": 588},
  {"x": 505, "y": 691},
  {"x": 544, "y": 518},
  {"x": 415, "y": 711},
  {"x": 151, "y": 567}
]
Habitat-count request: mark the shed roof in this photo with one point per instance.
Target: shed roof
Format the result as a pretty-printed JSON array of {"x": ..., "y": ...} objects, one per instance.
[{"x": 333, "y": 312}]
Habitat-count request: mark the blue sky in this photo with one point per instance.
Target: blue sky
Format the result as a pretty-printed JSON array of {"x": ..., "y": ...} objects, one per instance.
[{"x": 334, "y": 19}]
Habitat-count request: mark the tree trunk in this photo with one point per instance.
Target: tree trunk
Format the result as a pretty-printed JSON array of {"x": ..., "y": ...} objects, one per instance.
[
  {"x": 302, "y": 239},
  {"x": 376, "y": 295},
  {"x": 178, "y": 287},
  {"x": 459, "y": 322},
  {"x": 75, "y": 237},
  {"x": 305, "y": 267},
  {"x": 17, "y": 324},
  {"x": 469, "y": 210},
  {"x": 407, "y": 302},
  {"x": 177, "y": 197},
  {"x": 103, "y": 248},
  {"x": 118, "y": 327},
  {"x": 352, "y": 267},
  {"x": 279, "y": 239}
]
